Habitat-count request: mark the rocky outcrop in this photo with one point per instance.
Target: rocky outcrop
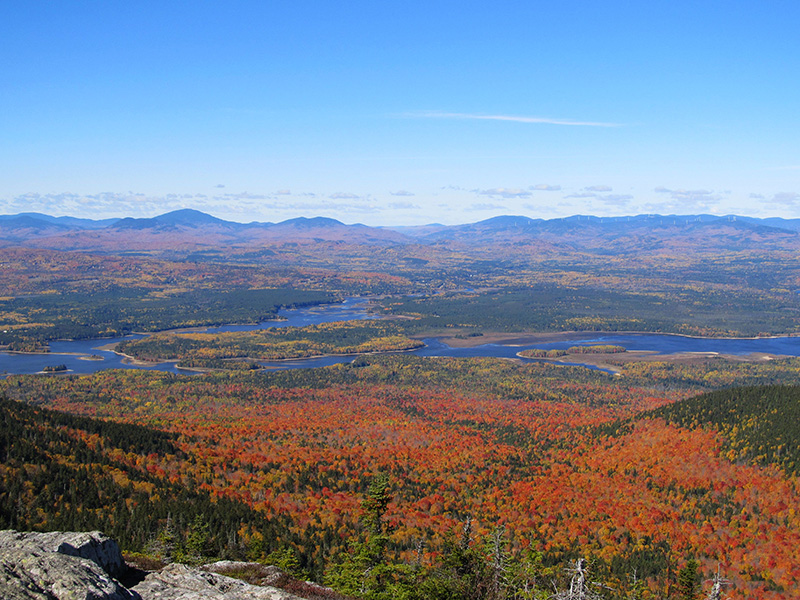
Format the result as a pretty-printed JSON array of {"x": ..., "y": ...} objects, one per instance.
[
  {"x": 179, "y": 582},
  {"x": 268, "y": 575},
  {"x": 85, "y": 566},
  {"x": 93, "y": 546},
  {"x": 254, "y": 573},
  {"x": 61, "y": 566}
]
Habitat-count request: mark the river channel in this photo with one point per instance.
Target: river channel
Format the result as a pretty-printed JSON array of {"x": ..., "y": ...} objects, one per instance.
[{"x": 88, "y": 356}]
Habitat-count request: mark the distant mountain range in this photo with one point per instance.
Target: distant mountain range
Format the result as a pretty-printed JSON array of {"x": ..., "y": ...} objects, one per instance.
[{"x": 191, "y": 228}]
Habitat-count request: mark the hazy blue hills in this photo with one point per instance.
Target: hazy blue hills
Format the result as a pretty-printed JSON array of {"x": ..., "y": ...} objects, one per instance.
[
  {"x": 26, "y": 226},
  {"x": 69, "y": 222},
  {"x": 315, "y": 222},
  {"x": 186, "y": 217},
  {"x": 188, "y": 227}
]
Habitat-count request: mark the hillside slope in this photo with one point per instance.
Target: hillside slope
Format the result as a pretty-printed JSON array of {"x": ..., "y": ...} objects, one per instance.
[
  {"x": 529, "y": 453},
  {"x": 759, "y": 424}
]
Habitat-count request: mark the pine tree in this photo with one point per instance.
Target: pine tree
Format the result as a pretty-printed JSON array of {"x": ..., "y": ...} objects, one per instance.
[
  {"x": 689, "y": 581},
  {"x": 364, "y": 571},
  {"x": 163, "y": 547},
  {"x": 195, "y": 548}
]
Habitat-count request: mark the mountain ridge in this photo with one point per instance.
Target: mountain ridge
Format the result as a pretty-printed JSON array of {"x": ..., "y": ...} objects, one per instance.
[
  {"x": 188, "y": 216},
  {"x": 187, "y": 229}
]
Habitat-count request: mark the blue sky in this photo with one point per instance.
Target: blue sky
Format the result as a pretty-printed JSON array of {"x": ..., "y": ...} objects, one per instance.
[{"x": 399, "y": 113}]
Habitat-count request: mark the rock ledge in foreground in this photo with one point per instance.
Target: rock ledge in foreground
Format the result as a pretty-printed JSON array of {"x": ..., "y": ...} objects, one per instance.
[
  {"x": 84, "y": 566},
  {"x": 61, "y": 566}
]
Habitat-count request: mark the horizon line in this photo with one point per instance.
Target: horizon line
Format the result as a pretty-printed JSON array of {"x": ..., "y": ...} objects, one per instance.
[{"x": 731, "y": 216}]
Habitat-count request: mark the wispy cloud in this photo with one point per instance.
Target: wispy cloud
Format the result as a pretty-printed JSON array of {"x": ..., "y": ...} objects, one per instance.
[
  {"x": 544, "y": 187},
  {"x": 403, "y": 205},
  {"x": 599, "y": 192},
  {"x": 513, "y": 118},
  {"x": 102, "y": 205},
  {"x": 321, "y": 207},
  {"x": 700, "y": 196},
  {"x": 402, "y": 193},
  {"x": 484, "y": 206},
  {"x": 617, "y": 199},
  {"x": 504, "y": 193},
  {"x": 682, "y": 200},
  {"x": 244, "y": 196},
  {"x": 240, "y": 206},
  {"x": 787, "y": 198}
]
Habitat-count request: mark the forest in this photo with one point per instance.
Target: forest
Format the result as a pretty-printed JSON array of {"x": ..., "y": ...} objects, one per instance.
[
  {"x": 472, "y": 461},
  {"x": 547, "y": 307},
  {"x": 227, "y": 349},
  {"x": 119, "y": 311},
  {"x": 555, "y": 353}
]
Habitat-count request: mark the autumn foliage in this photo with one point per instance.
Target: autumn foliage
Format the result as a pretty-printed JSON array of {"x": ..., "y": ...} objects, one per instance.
[{"x": 544, "y": 457}]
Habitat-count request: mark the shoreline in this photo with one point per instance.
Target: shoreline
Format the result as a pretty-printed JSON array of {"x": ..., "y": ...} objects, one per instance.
[
  {"x": 492, "y": 337},
  {"x": 525, "y": 339},
  {"x": 455, "y": 338},
  {"x": 615, "y": 362},
  {"x": 108, "y": 347}
]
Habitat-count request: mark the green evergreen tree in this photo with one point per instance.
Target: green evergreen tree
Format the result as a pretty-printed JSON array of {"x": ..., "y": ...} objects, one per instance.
[
  {"x": 364, "y": 571},
  {"x": 689, "y": 581},
  {"x": 463, "y": 573},
  {"x": 195, "y": 548},
  {"x": 286, "y": 560},
  {"x": 163, "y": 547}
]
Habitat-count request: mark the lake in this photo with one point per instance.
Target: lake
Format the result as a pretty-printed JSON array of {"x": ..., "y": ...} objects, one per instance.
[{"x": 73, "y": 354}]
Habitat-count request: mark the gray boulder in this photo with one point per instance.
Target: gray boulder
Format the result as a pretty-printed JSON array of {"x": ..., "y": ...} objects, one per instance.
[
  {"x": 179, "y": 582},
  {"x": 83, "y": 566},
  {"x": 60, "y": 566},
  {"x": 269, "y": 575},
  {"x": 254, "y": 573},
  {"x": 92, "y": 545}
]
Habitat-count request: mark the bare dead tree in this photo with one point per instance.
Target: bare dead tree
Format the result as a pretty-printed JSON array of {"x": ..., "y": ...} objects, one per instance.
[
  {"x": 716, "y": 586},
  {"x": 499, "y": 561},
  {"x": 579, "y": 586},
  {"x": 636, "y": 586}
]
